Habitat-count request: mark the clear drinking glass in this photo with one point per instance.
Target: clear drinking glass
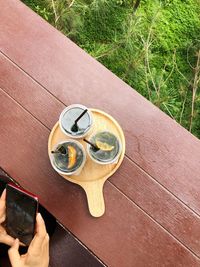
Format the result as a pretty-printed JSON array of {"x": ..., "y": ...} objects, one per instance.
[
  {"x": 68, "y": 157},
  {"x": 68, "y": 117},
  {"x": 108, "y": 148}
]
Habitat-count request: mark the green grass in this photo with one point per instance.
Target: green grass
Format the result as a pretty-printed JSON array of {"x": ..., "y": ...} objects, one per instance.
[{"x": 155, "y": 49}]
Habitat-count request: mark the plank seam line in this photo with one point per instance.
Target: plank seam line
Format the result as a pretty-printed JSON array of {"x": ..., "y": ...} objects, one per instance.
[
  {"x": 128, "y": 198},
  {"x": 6, "y": 93},
  {"x": 150, "y": 176},
  {"x": 34, "y": 80},
  {"x": 164, "y": 188},
  {"x": 153, "y": 178},
  {"x": 159, "y": 225},
  {"x": 79, "y": 241},
  {"x": 31, "y": 77}
]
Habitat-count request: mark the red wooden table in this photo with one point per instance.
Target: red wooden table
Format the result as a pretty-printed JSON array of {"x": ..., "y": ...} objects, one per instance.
[{"x": 152, "y": 202}]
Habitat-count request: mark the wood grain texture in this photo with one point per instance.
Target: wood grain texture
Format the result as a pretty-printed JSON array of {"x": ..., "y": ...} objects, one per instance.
[
  {"x": 93, "y": 175},
  {"x": 160, "y": 204},
  {"x": 155, "y": 142},
  {"x": 125, "y": 236},
  {"x": 66, "y": 251},
  {"x": 40, "y": 103},
  {"x": 173, "y": 215}
]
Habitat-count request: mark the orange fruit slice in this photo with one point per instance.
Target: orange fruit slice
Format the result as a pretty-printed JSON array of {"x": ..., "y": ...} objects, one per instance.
[
  {"x": 72, "y": 157},
  {"x": 104, "y": 146}
]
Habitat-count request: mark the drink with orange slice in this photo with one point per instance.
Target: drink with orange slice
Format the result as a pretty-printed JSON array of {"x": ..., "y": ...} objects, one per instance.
[
  {"x": 68, "y": 157},
  {"x": 109, "y": 148}
]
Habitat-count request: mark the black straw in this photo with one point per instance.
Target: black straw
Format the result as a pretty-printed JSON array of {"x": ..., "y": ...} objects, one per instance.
[
  {"x": 96, "y": 148},
  {"x": 62, "y": 150},
  {"x": 75, "y": 126},
  {"x": 81, "y": 115}
]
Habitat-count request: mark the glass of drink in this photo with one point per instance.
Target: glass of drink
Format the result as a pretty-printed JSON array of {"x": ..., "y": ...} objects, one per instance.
[
  {"x": 75, "y": 121},
  {"x": 68, "y": 157},
  {"x": 106, "y": 148}
]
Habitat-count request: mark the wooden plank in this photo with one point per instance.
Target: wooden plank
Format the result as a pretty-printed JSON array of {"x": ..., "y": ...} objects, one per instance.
[
  {"x": 162, "y": 206},
  {"x": 155, "y": 142},
  {"x": 66, "y": 250},
  {"x": 125, "y": 236},
  {"x": 38, "y": 102}
]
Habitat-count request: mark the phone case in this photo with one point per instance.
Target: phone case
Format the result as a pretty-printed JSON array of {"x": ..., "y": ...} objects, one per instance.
[{"x": 21, "y": 210}]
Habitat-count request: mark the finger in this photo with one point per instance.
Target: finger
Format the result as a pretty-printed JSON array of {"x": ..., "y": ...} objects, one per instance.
[
  {"x": 40, "y": 225},
  {"x": 7, "y": 239},
  {"x": 45, "y": 250},
  {"x": 13, "y": 253},
  {"x": 46, "y": 245},
  {"x": 2, "y": 204},
  {"x": 22, "y": 244},
  {"x": 2, "y": 216},
  {"x": 3, "y": 195},
  {"x": 39, "y": 237},
  {"x": 46, "y": 242}
]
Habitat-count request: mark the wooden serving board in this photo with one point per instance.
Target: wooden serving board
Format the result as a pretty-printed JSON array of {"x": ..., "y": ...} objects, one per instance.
[{"x": 93, "y": 175}]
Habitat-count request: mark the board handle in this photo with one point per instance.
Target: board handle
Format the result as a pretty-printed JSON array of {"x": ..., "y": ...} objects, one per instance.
[{"x": 95, "y": 199}]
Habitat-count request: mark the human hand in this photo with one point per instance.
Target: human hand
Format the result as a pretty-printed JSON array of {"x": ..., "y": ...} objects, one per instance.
[
  {"x": 4, "y": 237},
  {"x": 38, "y": 251}
]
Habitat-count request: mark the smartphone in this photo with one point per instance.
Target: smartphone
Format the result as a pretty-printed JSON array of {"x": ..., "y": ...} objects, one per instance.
[{"x": 21, "y": 210}]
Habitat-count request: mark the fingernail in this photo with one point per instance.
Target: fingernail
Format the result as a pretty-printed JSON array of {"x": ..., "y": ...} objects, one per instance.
[
  {"x": 3, "y": 193},
  {"x": 39, "y": 216}
]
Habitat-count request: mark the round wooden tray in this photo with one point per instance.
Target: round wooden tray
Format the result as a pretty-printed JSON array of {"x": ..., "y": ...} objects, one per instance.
[{"x": 93, "y": 175}]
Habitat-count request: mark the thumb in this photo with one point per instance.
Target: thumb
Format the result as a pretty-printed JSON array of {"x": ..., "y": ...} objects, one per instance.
[{"x": 13, "y": 253}]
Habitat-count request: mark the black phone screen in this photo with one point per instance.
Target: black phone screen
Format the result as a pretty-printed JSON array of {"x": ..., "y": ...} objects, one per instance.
[{"x": 21, "y": 209}]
